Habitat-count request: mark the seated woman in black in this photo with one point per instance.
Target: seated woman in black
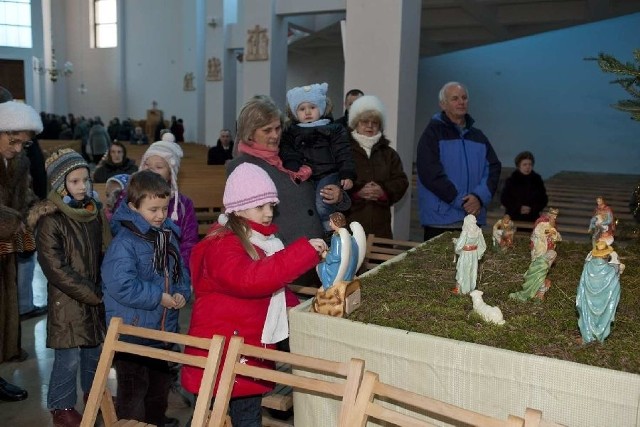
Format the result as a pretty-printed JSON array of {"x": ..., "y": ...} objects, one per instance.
[{"x": 524, "y": 195}]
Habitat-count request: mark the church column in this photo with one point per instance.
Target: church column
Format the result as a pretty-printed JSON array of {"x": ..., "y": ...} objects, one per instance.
[
  {"x": 382, "y": 49},
  {"x": 220, "y": 74},
  {"x": 265, "y": 51}
]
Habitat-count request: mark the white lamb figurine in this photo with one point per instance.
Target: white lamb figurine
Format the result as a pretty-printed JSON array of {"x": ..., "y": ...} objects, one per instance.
[{"x": 488, "y": 313}]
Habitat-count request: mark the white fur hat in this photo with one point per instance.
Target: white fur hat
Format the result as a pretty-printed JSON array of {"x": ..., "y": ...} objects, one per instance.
[
  {"x": 16, "y": 116},
  {"x": 363, "y": 104},
  {"x": 172, "y": 153}
]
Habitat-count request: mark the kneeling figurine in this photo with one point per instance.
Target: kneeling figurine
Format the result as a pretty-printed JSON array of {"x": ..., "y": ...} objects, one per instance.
[
  {"x": 340, "y": 293},
  {"x": 503, "y": 231}
]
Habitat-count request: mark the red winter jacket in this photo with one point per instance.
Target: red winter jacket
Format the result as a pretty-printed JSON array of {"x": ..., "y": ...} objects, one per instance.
[{"x": 232, "y": 294}]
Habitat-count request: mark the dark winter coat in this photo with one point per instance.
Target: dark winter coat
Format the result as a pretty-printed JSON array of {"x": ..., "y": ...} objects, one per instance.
[
  {"x": 384, "y": 167},
  {"x": 15, "y": 198},
  {"x": 16, "y": 195},
  {"x": 233, "y": 292},
  {"x": 325, "y": 149},
  {"x": 218, "y": 155},
  {"x": 70, "y": 254},
  {"x": 524, "y": 190},
  {"x": 108, "y": 169}
]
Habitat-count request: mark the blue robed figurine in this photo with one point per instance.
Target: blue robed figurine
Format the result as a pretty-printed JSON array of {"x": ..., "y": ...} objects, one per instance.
[
  {"x": 345, "y": 254},
  {"x": 598, "y": 293}
]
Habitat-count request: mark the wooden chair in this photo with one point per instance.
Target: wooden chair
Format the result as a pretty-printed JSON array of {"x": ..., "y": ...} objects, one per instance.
[
  {"x": 372, "y": 391},
  {"x": 380, "y": 249},
  {"x": 100, "y": 396},
  {"x": 346, "y": 390}
]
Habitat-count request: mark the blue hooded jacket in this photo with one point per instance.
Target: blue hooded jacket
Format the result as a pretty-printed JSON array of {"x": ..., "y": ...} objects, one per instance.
[
  {"x": 132, "y": 289},
  {"x": 452, "y": 163}
]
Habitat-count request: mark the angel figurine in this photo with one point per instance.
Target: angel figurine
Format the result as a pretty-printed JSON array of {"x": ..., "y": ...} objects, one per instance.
[
  {"x": 346, "y": 253},
  {"x": 503, "y": 231},
  {"x": 340, "y": 291}
]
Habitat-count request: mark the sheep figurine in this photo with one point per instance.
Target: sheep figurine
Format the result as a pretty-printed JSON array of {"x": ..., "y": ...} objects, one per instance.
[{"x": 488, "y": 313}]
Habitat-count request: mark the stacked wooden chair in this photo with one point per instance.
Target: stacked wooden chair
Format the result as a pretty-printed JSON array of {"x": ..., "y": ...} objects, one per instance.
[
  {"x": 369, "y": 405},
  {"x": 100, "y": 397},
  {"x": 346, "y": 377},
  {"x": 380, "y": 249}
]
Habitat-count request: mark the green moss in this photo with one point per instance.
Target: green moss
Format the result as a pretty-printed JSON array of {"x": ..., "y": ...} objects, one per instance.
[{"x": 415, "y": 295}]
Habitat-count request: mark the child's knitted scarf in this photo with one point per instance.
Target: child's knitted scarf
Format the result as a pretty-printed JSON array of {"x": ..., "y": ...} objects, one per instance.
[{"x": 162, "y": 249}]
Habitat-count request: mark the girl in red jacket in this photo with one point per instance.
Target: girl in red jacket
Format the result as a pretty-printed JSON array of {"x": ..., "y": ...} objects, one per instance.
[{"x": 240, "y": 271}]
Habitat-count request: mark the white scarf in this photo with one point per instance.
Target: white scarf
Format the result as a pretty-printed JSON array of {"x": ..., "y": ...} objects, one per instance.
[
  {"x": 366, "y": 142},
  {"x": 276, "y": 324}
]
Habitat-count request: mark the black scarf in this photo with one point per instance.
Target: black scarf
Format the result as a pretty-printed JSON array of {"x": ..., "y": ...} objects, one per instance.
[{"x": 162, "y": 249}]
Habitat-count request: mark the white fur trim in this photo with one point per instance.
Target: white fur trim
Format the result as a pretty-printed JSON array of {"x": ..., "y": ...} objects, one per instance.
[
  {"x": 366, "y": 103},
  {"x": 16, "y": 116}
]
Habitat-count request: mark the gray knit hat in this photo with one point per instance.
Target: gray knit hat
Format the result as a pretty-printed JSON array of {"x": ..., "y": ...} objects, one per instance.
[
  {"x": 59, "y": 164},
  {"x": 16, "y": 116}
]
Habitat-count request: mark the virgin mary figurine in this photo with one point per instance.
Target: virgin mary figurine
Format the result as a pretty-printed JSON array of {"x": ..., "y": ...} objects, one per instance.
[{"x": 598, "y": 293}]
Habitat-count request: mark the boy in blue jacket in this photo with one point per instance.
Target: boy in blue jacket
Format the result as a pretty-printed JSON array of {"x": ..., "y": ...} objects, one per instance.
[{"x": 145, "y": 283}]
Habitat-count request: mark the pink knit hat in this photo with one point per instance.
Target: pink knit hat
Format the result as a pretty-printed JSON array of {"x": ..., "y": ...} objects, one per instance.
[{"x": 247, "y": 187}]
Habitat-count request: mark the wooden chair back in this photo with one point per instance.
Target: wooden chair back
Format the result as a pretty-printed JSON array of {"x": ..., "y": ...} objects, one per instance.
[
  {"x": 346, "y": 389},
  {"x": 100, "y": 396},
  {"x": 372, "y": 392},
  {"x": 380, "y": 249}
]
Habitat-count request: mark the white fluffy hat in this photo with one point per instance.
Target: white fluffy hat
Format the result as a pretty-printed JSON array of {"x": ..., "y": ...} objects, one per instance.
[
  {"x": 362, "y": 105},
  {"x": 16, "y": 116},
  {"x": 172, "y": 153}
]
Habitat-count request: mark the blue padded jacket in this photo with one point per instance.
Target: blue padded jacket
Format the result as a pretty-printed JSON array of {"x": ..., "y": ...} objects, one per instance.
[{"x": 453, "y": 162}]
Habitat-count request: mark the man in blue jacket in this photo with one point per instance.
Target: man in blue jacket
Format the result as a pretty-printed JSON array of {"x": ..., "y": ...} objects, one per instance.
[{"x": 458, "y": 171}]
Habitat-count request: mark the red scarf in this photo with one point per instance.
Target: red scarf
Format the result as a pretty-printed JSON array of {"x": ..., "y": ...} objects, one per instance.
[{"x": 271, "y": 156}]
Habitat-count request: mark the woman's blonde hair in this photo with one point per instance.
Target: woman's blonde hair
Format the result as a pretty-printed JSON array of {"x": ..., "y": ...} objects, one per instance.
[
  {"x": 257, "y": 112},
  {"x": 240, "y": 227}
]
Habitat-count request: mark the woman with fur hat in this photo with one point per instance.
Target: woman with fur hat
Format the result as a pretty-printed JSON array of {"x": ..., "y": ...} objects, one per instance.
[
  {"x": 18, "y": 124},
  {"x": 314, "y": 147},
  {"x": 72, "y": 235},
  {"x": 240, "y": 273},
  {"x": 258, "y": 137},
  {"x": 163, "y": 157},
  {"x": 381, "y": 181}
]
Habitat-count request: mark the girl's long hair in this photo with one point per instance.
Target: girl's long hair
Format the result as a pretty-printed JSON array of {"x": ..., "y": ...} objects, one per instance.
[{"x": 240, "y": 227}]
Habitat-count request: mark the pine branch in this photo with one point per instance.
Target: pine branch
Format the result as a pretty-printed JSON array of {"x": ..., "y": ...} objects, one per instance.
[{"x": 630, "y": 83}]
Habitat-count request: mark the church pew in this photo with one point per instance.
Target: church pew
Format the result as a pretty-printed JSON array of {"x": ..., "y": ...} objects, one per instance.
[{"x": 48, "y": 146}]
